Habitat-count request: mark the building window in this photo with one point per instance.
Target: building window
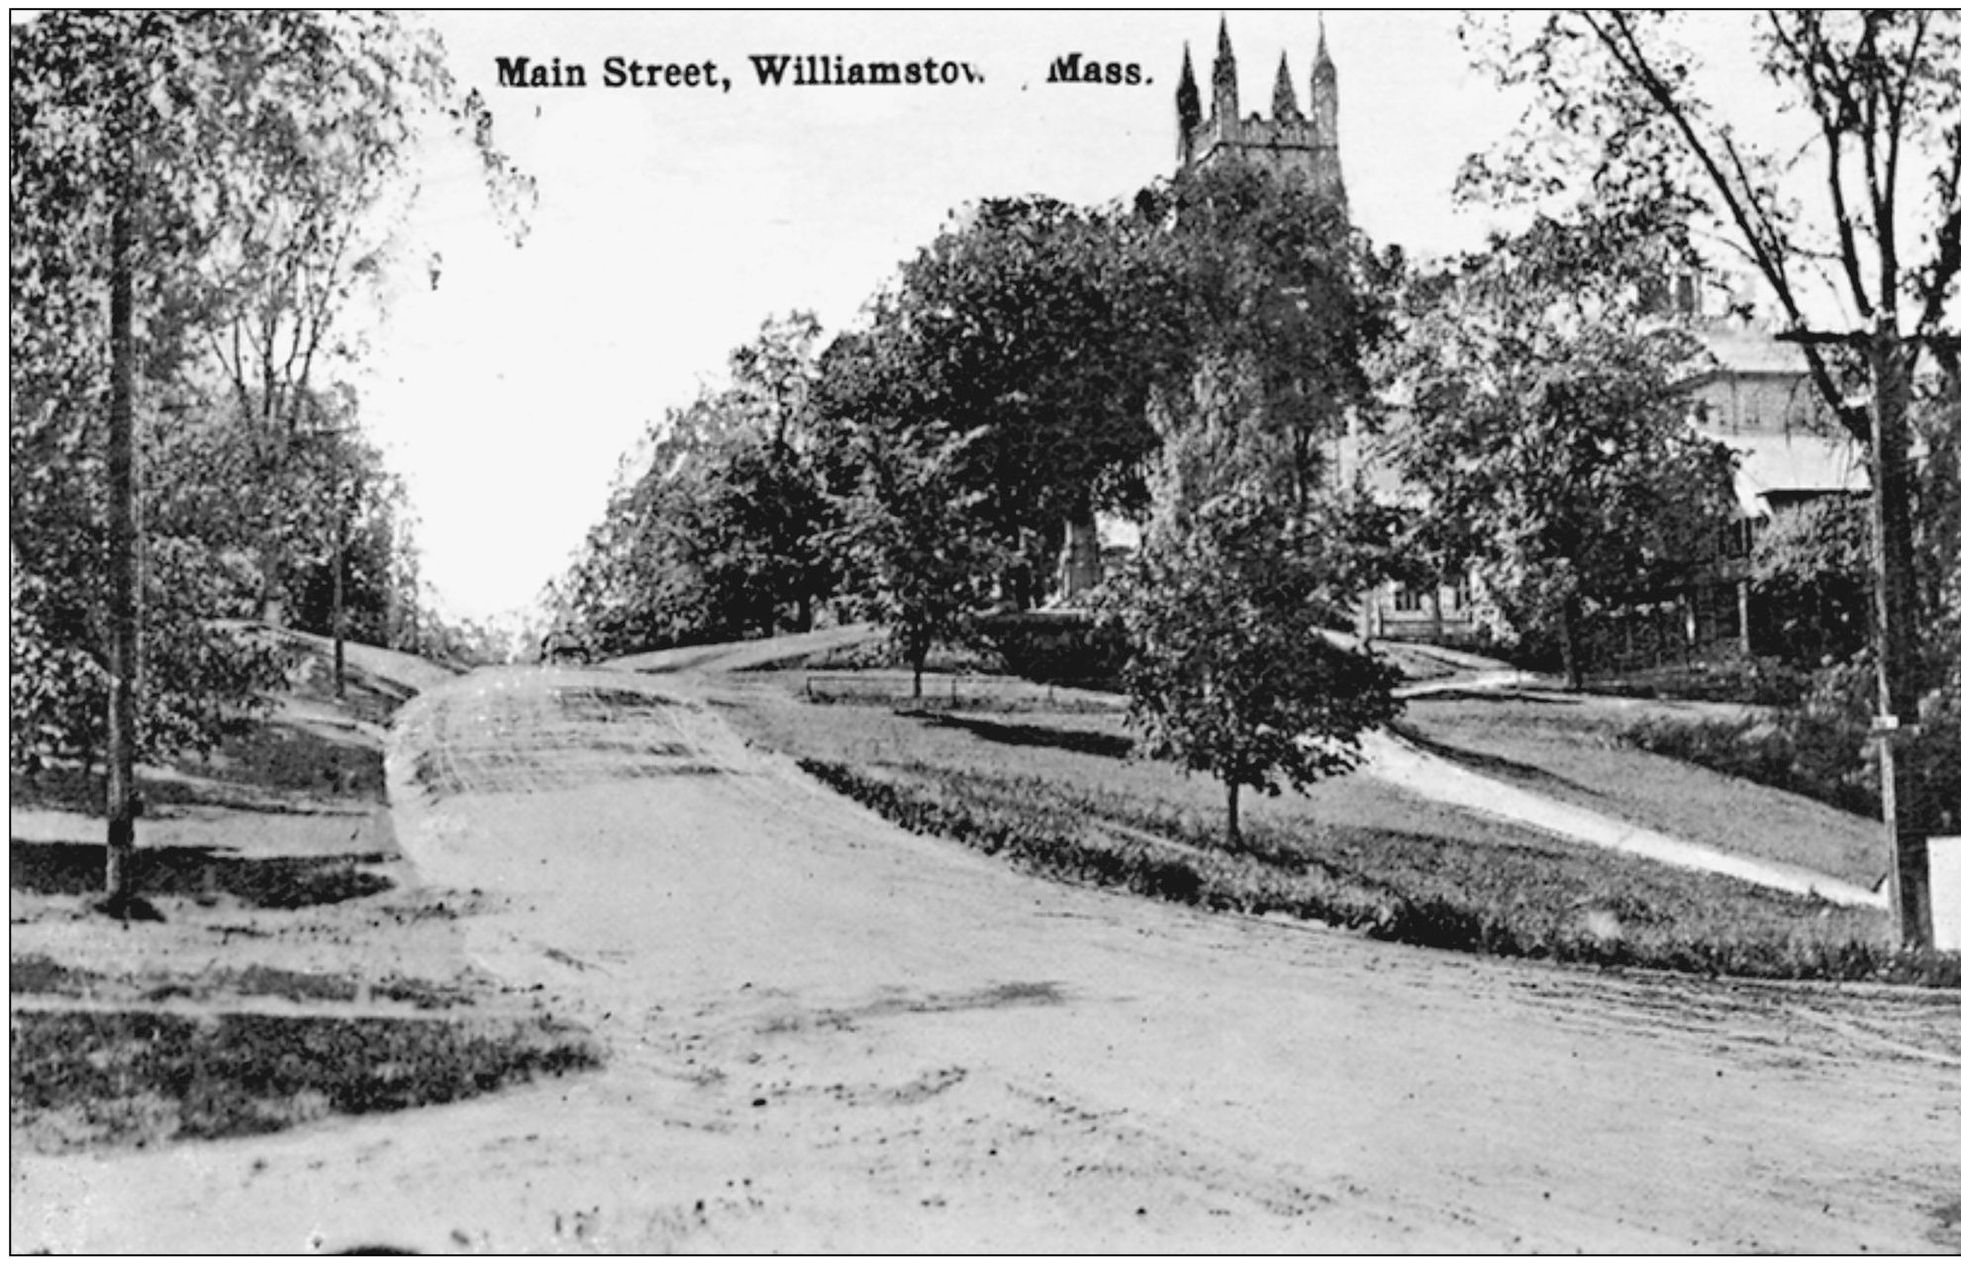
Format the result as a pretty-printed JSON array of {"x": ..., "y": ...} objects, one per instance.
[{"x": 1408, "y": 600}]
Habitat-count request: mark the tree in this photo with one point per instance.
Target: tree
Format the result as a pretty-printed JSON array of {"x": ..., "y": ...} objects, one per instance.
[
  {"x": 1266, "y": 267},
  {"x": 1809, "y": 574},
  {"x": 1859, "y": 212},
  {"x": 1231, "y": 674},
  {"x": 1030, "y": 325},
  {"x": 1545, "y": 428},
  {"x": 201, "y": 677},
  {"x": 713, "y": 528},
  {"x": 143, "y": 146},
  {"x": 912, "y": 544}
]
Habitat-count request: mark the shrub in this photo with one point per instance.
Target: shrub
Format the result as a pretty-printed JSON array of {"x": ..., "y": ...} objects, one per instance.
[
  {"x": 1056, "y": 646},
  {"x": 1822, "y": 748},
  {"x": 1401, "y": 888}
]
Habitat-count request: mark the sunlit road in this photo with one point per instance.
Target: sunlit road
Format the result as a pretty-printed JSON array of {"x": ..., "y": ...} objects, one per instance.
[{"x": 828, "y": 1035}]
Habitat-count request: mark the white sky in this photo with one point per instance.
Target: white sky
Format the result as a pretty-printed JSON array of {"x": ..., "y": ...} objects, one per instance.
[{"x": 672, "y": 222}]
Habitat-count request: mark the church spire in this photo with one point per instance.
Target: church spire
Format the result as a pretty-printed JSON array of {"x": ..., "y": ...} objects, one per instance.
[
  {"x": 1327, "y": 95},
  {"x": 1285, "y": 104},
  {"x": 1190, "y": 112},
  {"x": 1225, "y": 86}
]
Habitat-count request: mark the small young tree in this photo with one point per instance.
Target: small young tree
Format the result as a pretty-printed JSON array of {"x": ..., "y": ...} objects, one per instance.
[{"x": 1231, "y": 674}]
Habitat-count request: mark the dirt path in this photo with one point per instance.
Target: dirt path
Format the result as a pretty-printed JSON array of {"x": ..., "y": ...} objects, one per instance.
[
  {"x": 829, "y": 1035},
  {"x": 1400, "y": 763}
]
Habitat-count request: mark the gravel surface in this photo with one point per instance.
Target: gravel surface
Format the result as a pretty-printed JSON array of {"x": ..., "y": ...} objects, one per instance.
[{"x": 828, "y": 1035}]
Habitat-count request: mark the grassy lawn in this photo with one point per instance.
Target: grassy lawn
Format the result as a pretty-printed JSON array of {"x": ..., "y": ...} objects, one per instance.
[
  {"x": 139, "y": 1077},
  {"x": 1056, "y": 792},
  {"x": 287, "y": 965},
  {"x": 1572, "y": 750}
]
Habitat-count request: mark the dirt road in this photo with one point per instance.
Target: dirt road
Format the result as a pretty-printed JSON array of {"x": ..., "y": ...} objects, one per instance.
[{"x": 826, "y": 1034}]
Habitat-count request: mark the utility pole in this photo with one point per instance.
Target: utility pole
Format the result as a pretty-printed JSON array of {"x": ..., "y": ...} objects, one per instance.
[
  {"x": 125, "y": 580},
  {"x": 1895, "y": 615}
]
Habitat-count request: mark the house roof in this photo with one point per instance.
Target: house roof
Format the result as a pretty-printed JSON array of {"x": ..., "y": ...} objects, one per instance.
[
  {"x": 1769, "y": 465},
  {"x": 1752, "y": 350}
]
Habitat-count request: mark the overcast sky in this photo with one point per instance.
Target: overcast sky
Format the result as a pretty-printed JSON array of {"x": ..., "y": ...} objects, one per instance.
[{"x": 673, "y": 221}]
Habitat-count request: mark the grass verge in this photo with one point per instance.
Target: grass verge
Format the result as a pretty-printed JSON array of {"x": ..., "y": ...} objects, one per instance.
[
  {"x": 1586, "y": 751},
  {"x": 82, "y": 1078},
  {"x": 1059, "y": 796}
]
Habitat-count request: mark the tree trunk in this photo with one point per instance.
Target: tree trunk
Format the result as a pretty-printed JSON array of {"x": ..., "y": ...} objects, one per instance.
[
  {"x": 340, "y": 603},
  {"x": 125, "y": 594},
  {"x": 1896, "y": 640},
  {"x": 1570, "y": 645},
  {"x": 1232, "y": 814}
]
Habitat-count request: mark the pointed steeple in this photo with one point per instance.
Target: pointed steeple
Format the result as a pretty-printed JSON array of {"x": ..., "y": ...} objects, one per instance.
[
  {"x": 1327, "y": 95},
  {"x": 1285, "y": 104},
  {"x": 1191, "y": 113},
  {"x": 1225, "y": 85}
]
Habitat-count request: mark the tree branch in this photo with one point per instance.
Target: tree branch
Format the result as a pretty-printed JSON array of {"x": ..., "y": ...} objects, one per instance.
[
  {"x": 1848, "y": 242},
  {"x": 1865, "y": 60},
  {"x": 1623, "y": 46}
]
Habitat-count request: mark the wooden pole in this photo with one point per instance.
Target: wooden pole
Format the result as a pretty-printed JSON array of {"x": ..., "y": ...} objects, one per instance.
[
  {"x": 1896, "y": 640},
  {"x": 1895, "y": 619},
  {"x": 125, "y": 592}
]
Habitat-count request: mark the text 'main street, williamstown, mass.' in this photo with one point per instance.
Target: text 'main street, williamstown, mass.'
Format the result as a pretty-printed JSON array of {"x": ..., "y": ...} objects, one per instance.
[{"x": 772, "y": 70}]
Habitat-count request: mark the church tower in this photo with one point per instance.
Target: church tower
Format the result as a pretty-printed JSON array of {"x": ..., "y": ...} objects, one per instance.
[{"x": 1289, "y": 143}]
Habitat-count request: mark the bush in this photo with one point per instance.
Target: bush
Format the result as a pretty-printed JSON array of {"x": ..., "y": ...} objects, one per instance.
[
  {"x": 200, "y": 679},
  {"x": 1056, "y": 646},
  {"x": 1446, "y": 897},
  {"x": 1821, "y": 749}
]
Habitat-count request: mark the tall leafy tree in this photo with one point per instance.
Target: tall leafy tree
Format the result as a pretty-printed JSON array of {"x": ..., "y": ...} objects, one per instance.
[
  {"x": 713, "y": 529},
  {"x": 1546, "y": 428},
  {"x": 1033, "y": 327},
  {"x": 913, "y": 544},
  {"x": 1266, "y": 268},
  {"x": 1853, "y": 207},
  {"x": 148, "y": 150}
]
